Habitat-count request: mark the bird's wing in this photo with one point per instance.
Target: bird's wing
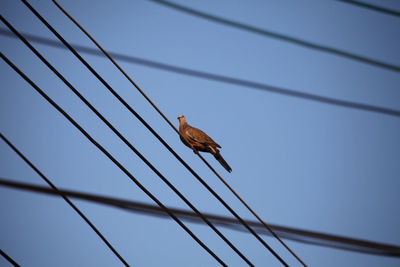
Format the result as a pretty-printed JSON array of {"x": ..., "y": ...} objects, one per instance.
[{"x": 199, "y": 136}]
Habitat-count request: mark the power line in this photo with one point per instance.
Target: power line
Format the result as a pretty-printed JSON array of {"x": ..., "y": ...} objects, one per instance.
[
  {"x": 119, "y": 165},
  {"x": 115, "y": 131},
  {"x": 372, "y": 7},
  {"x": 173, "y": 127},
  {"x": 148, "y": 126},
  {"x": 214, "y": 77},
  {"x": 9, "y": 259},
  {"x": 276, "y": 35},
  {"x": 295, "y": 234},
  {"x": 151, "y": 130},
  {"x": 253, "y": 212},
  {"x": 47, "y": 180}
]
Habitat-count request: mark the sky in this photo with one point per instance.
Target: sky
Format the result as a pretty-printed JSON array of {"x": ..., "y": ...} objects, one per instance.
[{"x": 297, "y": 162}]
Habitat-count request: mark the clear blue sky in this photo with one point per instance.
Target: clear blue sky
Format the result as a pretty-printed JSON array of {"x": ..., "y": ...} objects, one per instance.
[{"x": 298, "y": 163}]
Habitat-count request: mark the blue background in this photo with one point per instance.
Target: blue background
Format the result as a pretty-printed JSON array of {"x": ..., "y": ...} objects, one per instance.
[{"x": 297, "y": 162}]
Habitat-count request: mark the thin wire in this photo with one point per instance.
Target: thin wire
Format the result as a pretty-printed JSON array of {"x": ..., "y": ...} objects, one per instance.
[
  {"x": 116, "y": 162},
  {"x": 173, "y": 127},
  {"x": 47, "y": 180},
  {"x": 252, "y": 211},
  {"x": 9, "y": 259},
  {"x": 151, "y": 130},
  {"x": 213, "y": 77},
  {"x": 299, "y": 235},
  {"x": 99, "y": 115},
  {"x": 379, "y": 9},
  {"x": 115, "y": 64},
  {"x": 278, "y": 36}
]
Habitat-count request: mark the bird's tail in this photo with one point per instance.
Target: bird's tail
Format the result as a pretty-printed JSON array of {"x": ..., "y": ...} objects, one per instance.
[{"x": 222, "y": 161}]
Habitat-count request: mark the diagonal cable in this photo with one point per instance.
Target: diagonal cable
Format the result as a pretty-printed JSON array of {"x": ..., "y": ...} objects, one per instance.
[
  {"x": 212, "y": 76},
  {"x": 279, "y": 36},
  {"x": 372, "y": 7},
  {"x": 149, "y": 127},
  {"x": 47, "y": 180},
  {"x": 173, "y": 127},
  {"x": 115, "y": 131},
  {"x": 9, "y": 259},
  {"x": 116, "y": 162},
  {"x": 295, "y": 234}
]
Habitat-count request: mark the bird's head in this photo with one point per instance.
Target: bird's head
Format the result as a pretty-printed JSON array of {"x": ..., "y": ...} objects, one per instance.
[{"x": 181, "y": 119}]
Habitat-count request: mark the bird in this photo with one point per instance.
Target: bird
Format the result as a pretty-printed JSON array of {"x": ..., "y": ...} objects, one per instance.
[{"x": 197, "y": 140}]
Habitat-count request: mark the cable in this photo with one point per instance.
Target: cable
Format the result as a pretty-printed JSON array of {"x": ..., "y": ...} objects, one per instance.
[
  {"x": 119, "y": 165},
  {"x": 173, "y": 127},
  {"x": 278, "y": 36},
  {"x": 372, "y": 7},
  {"x": 252, "y": 211},
  {"x": 299, "y": 235},
  {"x": 27, "y": 161},
  {"x": 213, "y": 77},
  {"x": 99, "y": 115},
  {"x": 9, "y": 259},
  {"x": 148, "y": 127}
]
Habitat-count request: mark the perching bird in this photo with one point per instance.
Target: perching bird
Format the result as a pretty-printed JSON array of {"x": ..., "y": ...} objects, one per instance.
[{"x": 199, "y": 141}]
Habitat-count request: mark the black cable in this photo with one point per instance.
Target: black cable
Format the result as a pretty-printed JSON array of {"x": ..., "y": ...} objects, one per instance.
[
  {"x": 212, "y": 77},
  {"x": 119, "y": 165},
  {"x": 278, "y": 36},
  {"x": 148, "y": 127},
  {"x": 173, "y": 127},
  {"x": 372, "y": 7},
  {"x": 99, "y": 115},
  {"x": 27, "y": 161},
  {"x": 295, "y": 234},
  {"x": 9, "y": 259}
]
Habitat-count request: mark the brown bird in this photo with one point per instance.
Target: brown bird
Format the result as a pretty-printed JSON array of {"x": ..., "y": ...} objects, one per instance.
[{"x": 200, "y": 141}]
